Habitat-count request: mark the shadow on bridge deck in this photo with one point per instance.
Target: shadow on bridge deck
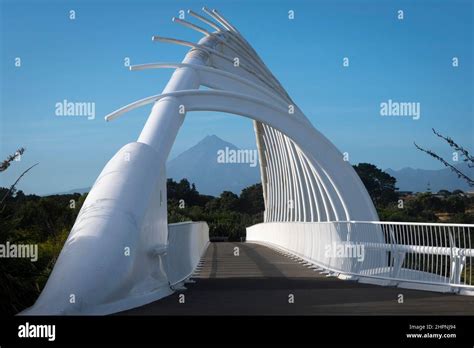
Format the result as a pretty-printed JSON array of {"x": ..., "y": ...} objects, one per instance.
[{"x": 260, "y": 280}]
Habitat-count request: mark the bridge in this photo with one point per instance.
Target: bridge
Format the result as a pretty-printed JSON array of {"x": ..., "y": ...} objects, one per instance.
[{"x": 122, "y": 253}]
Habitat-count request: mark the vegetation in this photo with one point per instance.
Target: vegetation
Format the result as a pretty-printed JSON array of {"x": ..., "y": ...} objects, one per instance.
[
  {"x": 445, "y": 206},
  {"x": 465, "y": 156},
  {"x": 380, "y": 185},
  {"x": 227, "y": 215},
  {"x": 30, "y": 219},
  {"x": 428, "y": 207}
]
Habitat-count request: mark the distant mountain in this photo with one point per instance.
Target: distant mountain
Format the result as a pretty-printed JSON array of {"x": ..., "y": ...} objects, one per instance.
[
  {"x": 200, "y": 165},
  {"x": 416, "y": 180}
]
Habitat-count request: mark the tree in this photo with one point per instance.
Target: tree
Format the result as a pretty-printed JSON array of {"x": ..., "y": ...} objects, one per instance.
[
  {"x": 465, "y": 156},
  {"x": 227, "y": 201},
  {"x": 455, "y": 205},
  {"x": 4, "y": 165},
  {"x": 380, "y": 185},
  {"x": 444, "y": 193},
  {"x": 251, "y": 199}
]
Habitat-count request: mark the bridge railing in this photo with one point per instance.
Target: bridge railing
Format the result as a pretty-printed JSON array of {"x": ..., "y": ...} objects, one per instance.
[
  {"x": 187, "y": 241},
  {"x": 418, "y": 255}
]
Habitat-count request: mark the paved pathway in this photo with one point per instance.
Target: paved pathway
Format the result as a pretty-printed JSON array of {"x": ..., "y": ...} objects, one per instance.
[{"x": 260, "y": 280}]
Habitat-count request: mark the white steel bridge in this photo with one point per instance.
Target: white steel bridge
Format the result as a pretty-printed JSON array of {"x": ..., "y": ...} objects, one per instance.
[{"x": 121, "y": 252}]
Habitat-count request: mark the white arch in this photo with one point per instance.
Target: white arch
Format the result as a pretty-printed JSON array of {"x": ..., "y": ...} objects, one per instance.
[
  {"x": 278, "y": 118},
  {"x": 125, "y": 206}
]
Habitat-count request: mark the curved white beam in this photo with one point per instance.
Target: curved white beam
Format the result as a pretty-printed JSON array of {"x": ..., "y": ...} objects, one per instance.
[
  {"x": 223, "y": 80},
  {"x": 279, "y": 178},
  {"x": 286, "y": 184},
  {"x": 191, "y": 26},
  {"x": 235, "y": 36},
  {"x": 307, "y": 191},
  {"x": 215, "y": 17},
  {"x": 273, "y": 115},
  {"x": 175, "y": 41},
  {"x": 211, "y": 52},
  {"x": 223, "y": 20},
  {"x": 199, "y": 104},
  {"x": 314, "y": 197},
  {"x": 272, "y": 181},
  {"x": 204, "y": 20}
]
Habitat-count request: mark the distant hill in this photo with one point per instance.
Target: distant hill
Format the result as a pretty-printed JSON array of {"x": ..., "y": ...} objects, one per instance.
[
  {"x": 416, "y": 180},
  {"x": 200, "y": 166}
]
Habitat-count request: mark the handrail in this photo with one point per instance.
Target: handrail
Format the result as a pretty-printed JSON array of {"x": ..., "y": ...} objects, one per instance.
[
  {"x": 383, "y": 223},
  {"x": 438, "y": 256}
]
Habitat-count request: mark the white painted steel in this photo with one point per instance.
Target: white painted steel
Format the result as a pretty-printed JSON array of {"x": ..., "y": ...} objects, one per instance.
[
  {"x": 411, "y": 255},
  {"x": 141, "y": 278},
  {"x": 126, "y": 208},
  {"x": 187, "y": 242}
]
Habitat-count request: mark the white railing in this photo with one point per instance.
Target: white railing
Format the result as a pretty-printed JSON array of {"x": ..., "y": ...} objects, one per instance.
[
  {"x": 187, "y": 242},
  {"x": 418, "y": 255}
]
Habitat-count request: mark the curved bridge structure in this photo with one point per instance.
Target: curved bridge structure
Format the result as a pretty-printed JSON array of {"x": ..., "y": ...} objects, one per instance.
[{"x": 121, "y": 252}]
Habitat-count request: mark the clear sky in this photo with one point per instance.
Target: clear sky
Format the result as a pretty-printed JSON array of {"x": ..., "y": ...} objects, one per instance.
[{"x": 82, "y": 60}]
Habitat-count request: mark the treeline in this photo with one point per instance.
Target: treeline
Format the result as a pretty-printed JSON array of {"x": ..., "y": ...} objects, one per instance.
[
  {"x": 227, "y": 215},
  {"x": 428, "y": 207},
  {"x": 444, "y": 206}
]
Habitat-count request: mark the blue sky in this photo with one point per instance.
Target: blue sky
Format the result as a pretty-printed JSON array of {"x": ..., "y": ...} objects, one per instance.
[{"x": 82, "y": 60}]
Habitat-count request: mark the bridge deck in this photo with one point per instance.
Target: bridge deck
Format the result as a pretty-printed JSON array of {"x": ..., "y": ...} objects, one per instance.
[{"x": 259, "y": 281}]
